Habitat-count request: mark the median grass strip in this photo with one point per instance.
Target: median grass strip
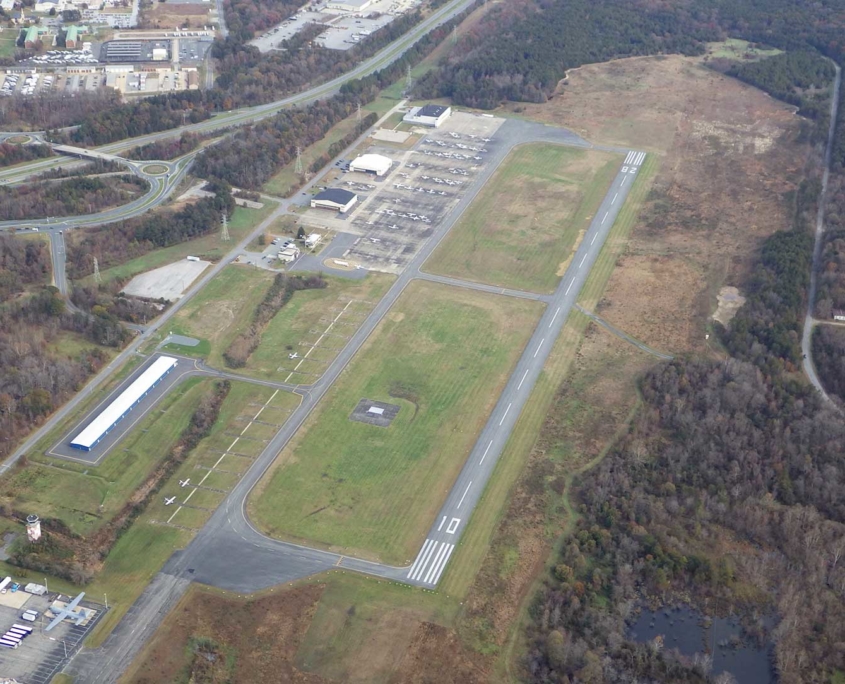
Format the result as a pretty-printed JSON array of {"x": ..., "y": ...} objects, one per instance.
[
  {"x": 443, "y": 355},
  {"x": 528, "y": 220}
]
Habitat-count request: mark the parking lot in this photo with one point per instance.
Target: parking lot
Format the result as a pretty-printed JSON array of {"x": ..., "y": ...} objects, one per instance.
[
  {"x": 396, "y": 214},
  {"x": 41, "y": 654}
]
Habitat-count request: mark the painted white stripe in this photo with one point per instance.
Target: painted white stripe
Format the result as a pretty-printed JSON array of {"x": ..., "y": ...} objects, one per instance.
[
  {"x": 594, "y": 238},
  {"x": 640, "y": 158},
  {"x": 435, "y": 563},
  {"x": 570, "y": 287},
  {"x": 442, "y": 522},
  {"x": 583, "y": 260},
  {"x": 425, "y": 546},
  {"x": 623, "y": 180},
  {"x": 558, "y": 310},
  {"x": 465, "y": 494},
  {"x": 509, "y": 405},
  {"x": 424, "y": 560},
  {"x": 538, "y": 349},
  {"x": 439, "y": 564},
  {"x": 519, "y": 386},
  {"x": 482, "y": 459},
  {"x": 629, "y": 157},
  {"x": 605, "y": 217},
  {"x": 613, "y": 201},
  {"x": 436, "y": 578}
]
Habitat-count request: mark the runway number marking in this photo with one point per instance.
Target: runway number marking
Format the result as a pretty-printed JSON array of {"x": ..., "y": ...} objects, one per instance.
[
  {"x": 453, "y": 526},
  {"x": 440, "y": 526},
  {"x": 465, "y": 495}
]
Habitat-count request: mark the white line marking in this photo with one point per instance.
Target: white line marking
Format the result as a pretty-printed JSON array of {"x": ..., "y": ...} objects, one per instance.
[
  {"x": 424, "y": 562},
  {"x": 629, "y": 157},
  {"x": 583, "y": 260},
  {"x": 519, "y": 386},
  {"x": 570, "y": 287},
  {"x": 419, "y": 556},
  {"x": 605, "y": 217},
  {"x": 465, "y": 494},
  {"x": 440, "y": 526},
  {"x": 435, "y": 563},
  {"x": 623, "y": 180},
  {"x": 454, "y": 523},
  {"x": 538, "y": 350},
  {"x": 436, "y": 578},
  {"x": 556, "y": 313},
  {"x": 509, "y": 405},
  {"x": 481, "y": 461},
  {"x": 594, "y": 238},
  {"x": 613, "y": 201},
  {"x": 640, "y": 158}
]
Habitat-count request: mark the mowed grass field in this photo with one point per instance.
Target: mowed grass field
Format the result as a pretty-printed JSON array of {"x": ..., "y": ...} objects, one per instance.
[
  {"x": 221, "y": 311},
  {"x": 443, "y": 355},
  {"x": 524, "y": 226},
  {"x": 86, "y": 497}
]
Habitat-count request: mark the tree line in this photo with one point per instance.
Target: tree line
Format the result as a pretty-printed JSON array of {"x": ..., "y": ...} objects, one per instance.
[
  {"x": 245, "y": 18},
  {"x": 165, "y": 150},
  {"x": 69, "y": 197},
  {"x": 15, "y": 154},
  {"x": 115, "y": 243},
  {"x": 22, "y": 263},
  {"x": 520, "y": 51}
]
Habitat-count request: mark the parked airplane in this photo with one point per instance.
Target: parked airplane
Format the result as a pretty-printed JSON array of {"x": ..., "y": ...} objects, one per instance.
[
  {"x": 169, "y": 501},
  {"x": 68, "y": 612},
  {"x": 184, "y": 483},
  {"x": 293, "y": 356}
]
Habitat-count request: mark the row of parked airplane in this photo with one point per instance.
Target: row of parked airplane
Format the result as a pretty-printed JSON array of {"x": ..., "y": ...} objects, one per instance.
[{"x": 170, "y": 500}]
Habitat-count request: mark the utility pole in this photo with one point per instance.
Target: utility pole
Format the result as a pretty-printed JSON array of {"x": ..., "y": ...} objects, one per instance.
[
  {"x": 297, "y": 169},
  {"x": 224, "y": 236},
  {"x": 97, "y": 277}
]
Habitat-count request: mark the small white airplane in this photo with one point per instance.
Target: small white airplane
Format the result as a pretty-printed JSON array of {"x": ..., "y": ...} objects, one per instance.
[
  {"x": 169, "y": 501},
  {"x": 394, "y": 227},
  {"x": 184, "y": 483},
  {"x": 293, "y": 356}
]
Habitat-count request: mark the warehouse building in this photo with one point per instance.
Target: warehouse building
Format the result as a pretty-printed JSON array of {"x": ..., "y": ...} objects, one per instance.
[
  {"x": 371, "y": 163},
  {"x": 430, "y": 115},
  {"x": 125, "y": 402},
  {"x": 348, "y": 5},
  {"x": 334, "y": 199}
]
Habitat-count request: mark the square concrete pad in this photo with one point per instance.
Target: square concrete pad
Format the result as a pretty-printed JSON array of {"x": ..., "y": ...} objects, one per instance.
[{"x": 375, "y": 413}]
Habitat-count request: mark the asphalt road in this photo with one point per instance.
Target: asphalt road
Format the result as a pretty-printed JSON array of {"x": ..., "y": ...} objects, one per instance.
[{"x": 809, "y": 322}]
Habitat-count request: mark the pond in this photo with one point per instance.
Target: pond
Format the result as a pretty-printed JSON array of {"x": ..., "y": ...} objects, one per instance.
[{"x": 688, "y": 631}]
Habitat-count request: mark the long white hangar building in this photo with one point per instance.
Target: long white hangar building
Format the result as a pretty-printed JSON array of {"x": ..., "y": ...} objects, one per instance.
[
  {"x": 371, "y": 163},
  {"x": 123, "y": 404}
]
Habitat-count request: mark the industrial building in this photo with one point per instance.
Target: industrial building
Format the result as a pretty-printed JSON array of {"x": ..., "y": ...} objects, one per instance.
[
  {"x": 371, "y": 163},
  {"x": 123, "y": 404},
  {"x": 348, "y": 5},
  {"x": 429, "y": 115},
  {"x": 334, "y": 199}
]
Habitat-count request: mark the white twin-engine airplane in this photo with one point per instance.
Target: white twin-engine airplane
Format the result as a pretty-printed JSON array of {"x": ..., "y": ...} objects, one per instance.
[
  {"x": 184, "y": 483},
  {"x": 169, "y": 501}
]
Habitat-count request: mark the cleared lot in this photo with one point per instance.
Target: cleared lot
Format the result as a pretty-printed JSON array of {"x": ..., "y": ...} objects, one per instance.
[
  {"x": 167, "y": 282},
  {"x": 442, "y": 354},
  {"x": 524, "y": 227}
]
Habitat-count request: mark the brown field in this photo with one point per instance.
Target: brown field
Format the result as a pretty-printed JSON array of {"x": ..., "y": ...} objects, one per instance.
[
  {"x": 168, "y": 15},
  {"x": 729, "y": 164}
]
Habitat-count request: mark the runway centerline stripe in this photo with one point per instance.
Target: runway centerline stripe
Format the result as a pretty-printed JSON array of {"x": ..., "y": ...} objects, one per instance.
[
  {"x": 479, "y": 463},
  {"x": 523, "y": 378},
  {"x": 613, "y": 201},
  {"x": 594, "y": 238},
  {"x": 583, "y": 260},
  {"x": 606, "y": 214},
  {"x": 440, "y": 526},
  {"x": 465, "y": 494},
  {"x": 558, "y": 310},
  {"x": 570, "y": 286},
  {"x": 506, "y": 411},
  {"x": 538, "y": 351}
]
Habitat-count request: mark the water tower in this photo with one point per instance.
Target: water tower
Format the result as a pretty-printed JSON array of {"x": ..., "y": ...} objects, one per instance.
[{"x": 33, "y": 528}]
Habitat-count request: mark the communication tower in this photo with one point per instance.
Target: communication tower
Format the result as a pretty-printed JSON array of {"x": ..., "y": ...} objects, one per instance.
[
  {"x": 224, "y": 235},
  {"x": 297, "y": 169}
]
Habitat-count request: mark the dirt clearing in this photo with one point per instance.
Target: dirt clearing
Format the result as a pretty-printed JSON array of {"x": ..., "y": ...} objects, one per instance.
[
  {"x": 167, "y": 282},
  {"x": 730, "y": 162}
]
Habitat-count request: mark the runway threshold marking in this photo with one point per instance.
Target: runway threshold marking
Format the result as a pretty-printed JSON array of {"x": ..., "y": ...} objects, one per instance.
[
  {"x": 465, "y": 494},
  {"x": 223, "y": 455}
]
